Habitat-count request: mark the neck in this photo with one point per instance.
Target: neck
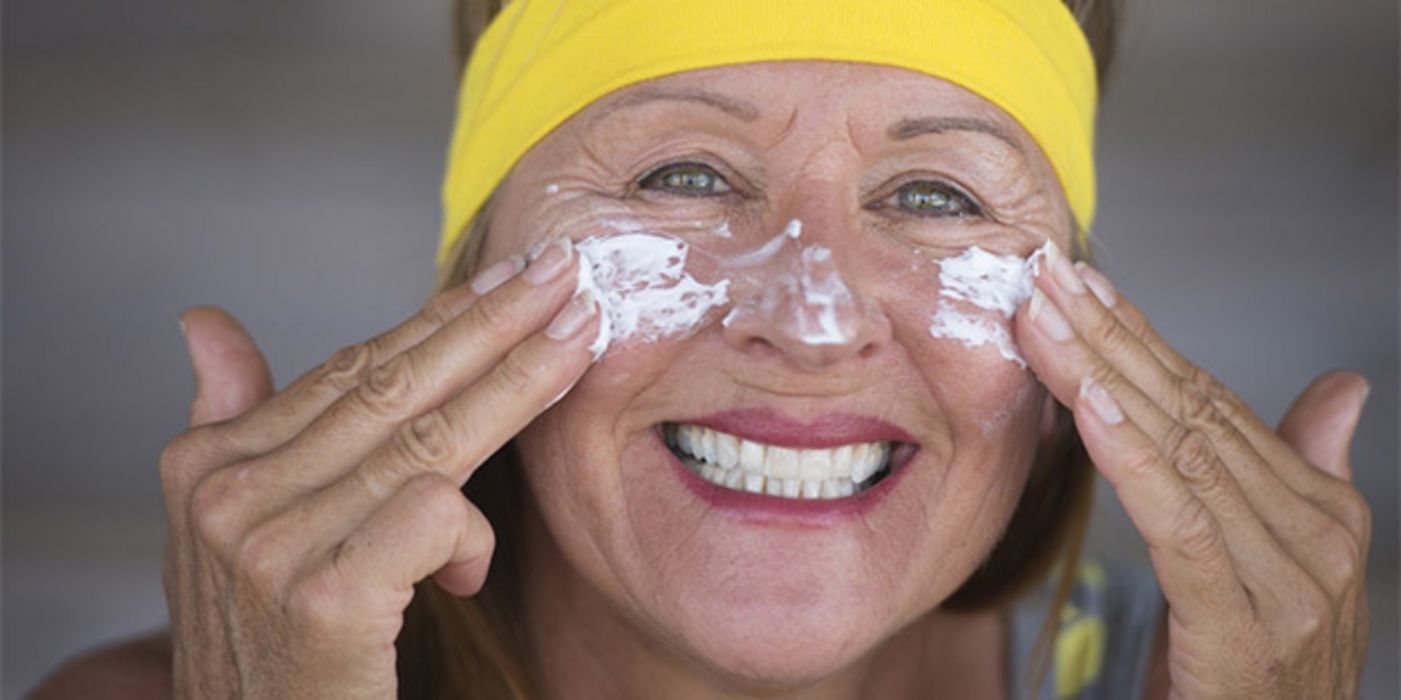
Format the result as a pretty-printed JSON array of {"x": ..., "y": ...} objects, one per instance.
[{"x": 582, "y": 646}]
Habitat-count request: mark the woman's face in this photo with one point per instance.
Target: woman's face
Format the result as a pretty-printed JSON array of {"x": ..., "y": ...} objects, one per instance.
[{"x": 890, "y": 172}]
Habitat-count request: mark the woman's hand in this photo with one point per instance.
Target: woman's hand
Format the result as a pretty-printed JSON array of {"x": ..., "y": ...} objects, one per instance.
[
  {"x": 300, "y": 521},
  {"x": 1257, "y": 536}
]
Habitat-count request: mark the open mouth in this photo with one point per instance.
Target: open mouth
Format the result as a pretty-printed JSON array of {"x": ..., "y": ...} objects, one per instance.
[{"x": 745, "y": 465}]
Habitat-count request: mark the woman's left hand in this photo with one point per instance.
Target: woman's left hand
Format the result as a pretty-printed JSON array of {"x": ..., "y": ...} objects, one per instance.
[{"x": 1257, "y": 536}]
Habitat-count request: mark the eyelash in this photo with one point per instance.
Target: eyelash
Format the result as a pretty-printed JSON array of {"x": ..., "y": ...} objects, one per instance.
[
  {"x": 969, "y": 207},
  {"x": 654, "y": 178}
]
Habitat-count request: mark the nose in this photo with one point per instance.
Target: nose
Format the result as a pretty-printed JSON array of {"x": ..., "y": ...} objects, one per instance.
[{"x": 802, "y": 309}]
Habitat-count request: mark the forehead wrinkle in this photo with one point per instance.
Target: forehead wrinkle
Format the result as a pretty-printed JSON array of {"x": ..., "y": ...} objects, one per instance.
[{"x": 786, "y": 131}]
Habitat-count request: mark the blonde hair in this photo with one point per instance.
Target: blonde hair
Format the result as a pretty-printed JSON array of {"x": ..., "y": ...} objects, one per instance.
[{"x": 475, "y": 647}]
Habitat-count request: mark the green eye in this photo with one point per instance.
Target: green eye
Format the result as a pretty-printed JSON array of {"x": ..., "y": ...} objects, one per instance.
[
  {"x": 686, "y": 179},
  {"x": 935, "y": 199}
]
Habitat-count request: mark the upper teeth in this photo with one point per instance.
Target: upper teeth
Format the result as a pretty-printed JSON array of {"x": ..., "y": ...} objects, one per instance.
[{"x": 733, "y": 461}]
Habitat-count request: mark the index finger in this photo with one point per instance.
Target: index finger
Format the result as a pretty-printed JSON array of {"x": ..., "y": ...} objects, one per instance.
[
  {"x": 424, "y": 376},
  {"x": 1142, "y": 337},
  {"x": 288, "y": 412}
]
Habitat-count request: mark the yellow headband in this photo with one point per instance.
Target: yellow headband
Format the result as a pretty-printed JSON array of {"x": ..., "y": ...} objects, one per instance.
[{"x": 540, "y": 62}]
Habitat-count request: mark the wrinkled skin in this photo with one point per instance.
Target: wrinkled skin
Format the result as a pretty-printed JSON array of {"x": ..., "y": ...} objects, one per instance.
[{"x": 300, "y": 519}]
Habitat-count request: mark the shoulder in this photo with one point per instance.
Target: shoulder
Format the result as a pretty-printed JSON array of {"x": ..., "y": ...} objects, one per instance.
[{"x": 133, "y": 668}]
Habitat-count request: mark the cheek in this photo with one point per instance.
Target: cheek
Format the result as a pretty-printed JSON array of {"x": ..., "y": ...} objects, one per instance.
[
  {"x": 980, "y": 392},
  {"x": 571, "y": 453}
]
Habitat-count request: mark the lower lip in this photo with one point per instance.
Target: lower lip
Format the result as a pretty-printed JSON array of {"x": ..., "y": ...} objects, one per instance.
[{"x": 763, "y": 509}]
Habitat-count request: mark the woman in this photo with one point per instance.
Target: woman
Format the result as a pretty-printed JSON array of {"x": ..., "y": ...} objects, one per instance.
[{"x": 794, "y": 383}]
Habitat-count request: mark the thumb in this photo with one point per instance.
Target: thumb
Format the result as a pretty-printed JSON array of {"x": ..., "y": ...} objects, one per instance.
[
  {"x": 1320, "y": 424},
  {"x": 231, "y": 375}
]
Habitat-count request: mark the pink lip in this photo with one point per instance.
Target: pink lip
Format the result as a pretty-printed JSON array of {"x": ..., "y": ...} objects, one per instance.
[
  {"x": 830, "y": 430},
  {"x": 765, "y": 425}
]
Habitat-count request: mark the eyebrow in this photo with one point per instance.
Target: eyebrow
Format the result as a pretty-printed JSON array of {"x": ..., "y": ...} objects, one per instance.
[
  {"x": 902, "y": 130},
  {"x": 738, "y": 109},
  {"x": 916, "y": 126}
]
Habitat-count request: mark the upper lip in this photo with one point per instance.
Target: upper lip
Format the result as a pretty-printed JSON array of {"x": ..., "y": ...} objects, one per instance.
[{"x": 827, "y": 430}]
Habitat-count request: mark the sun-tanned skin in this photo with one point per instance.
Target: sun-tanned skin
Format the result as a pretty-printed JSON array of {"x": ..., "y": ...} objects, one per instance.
[{"x": 333, "y": 495}]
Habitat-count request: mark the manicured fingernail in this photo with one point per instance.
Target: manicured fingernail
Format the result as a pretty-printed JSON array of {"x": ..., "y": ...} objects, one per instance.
[
  {"x": 573, "y": 316},
  {"x": 548, "y": 262},
  {"x": 497, "y": 274},
  {"x": 1045, "y": 315},
  {"x": 1063, "y": 272},
  {"x": 1098, "y": 283},
  {"x": 1094, "y": 395}
]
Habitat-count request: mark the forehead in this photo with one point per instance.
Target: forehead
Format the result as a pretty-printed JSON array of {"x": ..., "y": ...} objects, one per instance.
[{"x": 868, "y": 99}]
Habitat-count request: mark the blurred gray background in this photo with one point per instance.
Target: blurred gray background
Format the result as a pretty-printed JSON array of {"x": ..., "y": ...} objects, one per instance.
[{"x": 282, "y": 159}]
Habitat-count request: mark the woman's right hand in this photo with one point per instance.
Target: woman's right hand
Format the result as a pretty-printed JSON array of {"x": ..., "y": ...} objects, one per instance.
[{"x": 299, "y": 521}]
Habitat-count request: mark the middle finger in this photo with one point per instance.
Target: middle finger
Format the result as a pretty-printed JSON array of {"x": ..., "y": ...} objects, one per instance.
[
  {"x": 422, "y": 377},
  {"x": 1091, "y": 341}
]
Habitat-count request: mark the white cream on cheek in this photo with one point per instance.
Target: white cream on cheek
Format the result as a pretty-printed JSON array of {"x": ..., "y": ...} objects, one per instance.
[
  {"x": 645, "y": 293},
  {"x": 642, "y": 287},
  {"x": 996, "y": 283}
]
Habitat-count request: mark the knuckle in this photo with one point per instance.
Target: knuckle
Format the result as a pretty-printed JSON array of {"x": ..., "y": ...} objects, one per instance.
[
  {"x": 1345, "y": 559},
  {"x": 1109, "y": 335},
  {"x": 388, "y": 389},
  {"x": 1313, "y": 611},
  {"x": 215, "y": 514},
  {"x": 183, "y": 458},
  {"x": 513, "y": 376},
  {"x": 382, "y": 477},
  {"x": 343, "y": 371},
  {"x": 1195, "y": 408},
  {"x": 1204, "y": 383},
  {"x": 440, "y": 310},
  {"x": 1195, "y": 533},
  {"x": 315, "y": 605},
  {"x": 264, "y": 555},
  {"x": 438, "y": 498},
  {"x": 426, "y": 441},
  {"x": 491, "y": 315},
  {"x": 1194, "y": 457},
  {"x": 1142, "y": 462}
]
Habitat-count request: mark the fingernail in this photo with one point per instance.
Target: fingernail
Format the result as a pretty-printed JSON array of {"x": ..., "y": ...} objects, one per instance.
[
  {"x": 1063, "y": 272},
  {"x": 1098, "y": 283},
  {"x": 1049, "y": 318},
  {"x": 573, "y": 316},
  {"x": 546, "y": 263},
  {"x": 1094, "y": 395},
  {"x": 497, "y": 274}
]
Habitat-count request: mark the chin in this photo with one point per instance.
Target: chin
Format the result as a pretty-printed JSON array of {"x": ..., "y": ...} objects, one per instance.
[
  {"x": 782, "y": 646},
  {"x": 781, "y": 611}
]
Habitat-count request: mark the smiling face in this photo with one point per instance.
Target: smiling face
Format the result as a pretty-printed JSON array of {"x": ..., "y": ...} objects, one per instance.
[{"x": 889, "y": 172}]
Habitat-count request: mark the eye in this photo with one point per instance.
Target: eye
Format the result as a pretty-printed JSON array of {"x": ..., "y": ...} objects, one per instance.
[
  {"x": 686, "y": 179},
  {"x": 934, "y": 199}
]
